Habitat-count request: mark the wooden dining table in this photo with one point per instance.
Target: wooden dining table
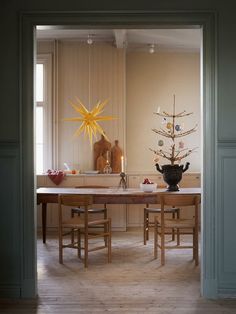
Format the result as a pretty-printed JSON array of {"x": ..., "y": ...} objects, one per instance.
[{"x": 111, "y": 195}]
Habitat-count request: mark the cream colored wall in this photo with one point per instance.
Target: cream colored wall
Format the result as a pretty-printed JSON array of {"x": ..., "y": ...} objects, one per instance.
[
  {"x": 107, "y": 73},
  {"x": 151, "y": 81},
  {"x": 107, "y": 77},
  {"x": 145, "y": 80}
]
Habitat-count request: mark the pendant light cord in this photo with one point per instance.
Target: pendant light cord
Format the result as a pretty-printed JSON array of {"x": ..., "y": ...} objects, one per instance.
[{"x": 89, "y": 75}]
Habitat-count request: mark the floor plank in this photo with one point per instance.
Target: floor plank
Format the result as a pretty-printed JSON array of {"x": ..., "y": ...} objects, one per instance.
[{"x": 133, "y": 283}]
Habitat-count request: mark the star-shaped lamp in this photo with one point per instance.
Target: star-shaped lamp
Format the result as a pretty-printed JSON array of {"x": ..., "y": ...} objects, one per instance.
[{"x": 89, "y": 119}]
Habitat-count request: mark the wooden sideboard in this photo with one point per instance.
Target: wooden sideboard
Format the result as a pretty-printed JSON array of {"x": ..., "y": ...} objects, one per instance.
[{"x": 126, "y": 215}]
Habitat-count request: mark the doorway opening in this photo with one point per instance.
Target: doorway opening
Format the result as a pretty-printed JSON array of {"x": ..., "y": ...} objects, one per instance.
[
  {"x": 208, "y": 99},
  {"x": 140, "y": 71}
]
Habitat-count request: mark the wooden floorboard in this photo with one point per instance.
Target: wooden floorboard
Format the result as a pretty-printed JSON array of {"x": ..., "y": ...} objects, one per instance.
[{"x": 133, "y": 283}]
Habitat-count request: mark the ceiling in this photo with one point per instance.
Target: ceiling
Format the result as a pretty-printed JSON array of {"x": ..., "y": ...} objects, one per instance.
[{"x": 132, "y": 39}]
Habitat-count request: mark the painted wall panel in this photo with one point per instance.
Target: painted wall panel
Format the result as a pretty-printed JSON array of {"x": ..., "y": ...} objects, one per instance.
[
  {"x": 227, "y": 77},
  {"x": 10, "y": 219},
  {"x": 227, "y": 216}
]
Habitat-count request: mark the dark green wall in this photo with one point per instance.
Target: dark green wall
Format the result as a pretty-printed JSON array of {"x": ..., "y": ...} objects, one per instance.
[{"x": 13, "y": 222}]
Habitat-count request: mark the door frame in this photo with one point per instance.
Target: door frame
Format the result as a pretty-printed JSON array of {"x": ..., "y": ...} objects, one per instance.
[{"x": 119, "y": 19}]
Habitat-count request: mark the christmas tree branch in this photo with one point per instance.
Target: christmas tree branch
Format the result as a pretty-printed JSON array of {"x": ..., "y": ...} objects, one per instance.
[
  {"x": 161, "y": 153},
  {"x": 165, "y": 114},
  {"x": 181, "y": 134},
  {"x": 162, "y": 132},
  {"x": 185, "y": 155},
  {"x": 180, "y": 151}
]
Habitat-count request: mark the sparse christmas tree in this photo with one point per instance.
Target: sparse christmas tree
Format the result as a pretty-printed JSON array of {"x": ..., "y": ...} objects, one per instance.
[{"x": 172, "y": 173}]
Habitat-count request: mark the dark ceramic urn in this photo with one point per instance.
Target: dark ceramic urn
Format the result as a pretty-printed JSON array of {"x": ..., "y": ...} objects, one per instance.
[{"x": 172, "y": 174}]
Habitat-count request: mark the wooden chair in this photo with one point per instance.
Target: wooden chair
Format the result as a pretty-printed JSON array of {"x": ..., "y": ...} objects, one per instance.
[
  {"x": 82, "y": 226},
  {"x": 147, "y": 223},
  {"x": 162, "y": 223},
  {"x": 80, "y": 210}
]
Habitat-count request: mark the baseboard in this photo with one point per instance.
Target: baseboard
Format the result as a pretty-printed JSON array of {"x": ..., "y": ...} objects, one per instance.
[
  {"x": 227, "y": 293},
  {"x": 10, "y": 291}
]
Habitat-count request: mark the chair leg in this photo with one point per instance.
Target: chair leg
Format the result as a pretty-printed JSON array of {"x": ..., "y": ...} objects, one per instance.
[
  {"x": 105, "y": 226},
  {"x": 109, "y": 241},
  {"x": 178, "y": 233},
  {"x": 72, "y": 231},
  {"x": 173, "y": 230},
  {"x": 60, "y": 246},
  {"x": 196, "y": 248},
  {"x": 86, "y": 249},
  {"x": 145, "y": 227},
  {"x": 79, "y": 242},
  {"x": 162, "y": 246},
  {"x": 178, "y": 237},
  {"x": 155, "y": 239}
]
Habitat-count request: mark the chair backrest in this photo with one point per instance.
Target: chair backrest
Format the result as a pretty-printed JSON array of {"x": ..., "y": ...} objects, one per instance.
[
  {"x": 179, "y": 199},
  {"x": 74, "y": 200}
]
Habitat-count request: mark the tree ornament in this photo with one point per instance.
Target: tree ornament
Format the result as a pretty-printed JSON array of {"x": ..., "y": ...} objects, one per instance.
[
  {"x": 178, "y": 127},
  {"x": 160, "y": 143},
  {"x": 169, "y": 125},
  {"x": 181, "y": 144}
]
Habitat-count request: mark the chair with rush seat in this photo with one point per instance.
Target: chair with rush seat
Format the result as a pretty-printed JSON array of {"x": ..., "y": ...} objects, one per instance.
[
  {"x": 82, "y": 226},
  {"x": 92, "y": 210},
  {"x": 162, "y": 223}
]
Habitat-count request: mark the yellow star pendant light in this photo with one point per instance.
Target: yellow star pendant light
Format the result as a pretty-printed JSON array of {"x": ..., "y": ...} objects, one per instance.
[{"x": 89, "y": 119}]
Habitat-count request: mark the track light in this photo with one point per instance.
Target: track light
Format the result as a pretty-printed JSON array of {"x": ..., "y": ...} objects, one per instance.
[
  {"x": 89, "y": 40},
  {"x": 151, "y": 48}
]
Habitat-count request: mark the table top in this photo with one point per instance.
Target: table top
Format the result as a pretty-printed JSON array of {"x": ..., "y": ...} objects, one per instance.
[{"x": 112, "y": 190}]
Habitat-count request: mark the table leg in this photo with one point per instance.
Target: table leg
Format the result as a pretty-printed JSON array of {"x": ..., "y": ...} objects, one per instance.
[{"x": 44, "y": 220}]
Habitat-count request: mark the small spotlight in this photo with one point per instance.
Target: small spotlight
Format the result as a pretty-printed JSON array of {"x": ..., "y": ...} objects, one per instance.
[
  {"x": 151, "y": 48},
  {"x": 89, "y": 40}
]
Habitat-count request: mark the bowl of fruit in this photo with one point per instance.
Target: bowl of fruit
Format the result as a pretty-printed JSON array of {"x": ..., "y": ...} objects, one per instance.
[{"x": 148, "y": 186}]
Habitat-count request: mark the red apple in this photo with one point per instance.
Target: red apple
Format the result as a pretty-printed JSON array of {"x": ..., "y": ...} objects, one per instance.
[{"x": 147, "y": 181}]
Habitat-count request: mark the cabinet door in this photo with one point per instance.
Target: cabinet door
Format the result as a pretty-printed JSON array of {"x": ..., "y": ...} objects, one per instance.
[
  {"x": 103, "y": 180},
  {"x": 72, "y": 181},
  {"x": 135, "y": 212},
  {"x": 190, "y": 181}
]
